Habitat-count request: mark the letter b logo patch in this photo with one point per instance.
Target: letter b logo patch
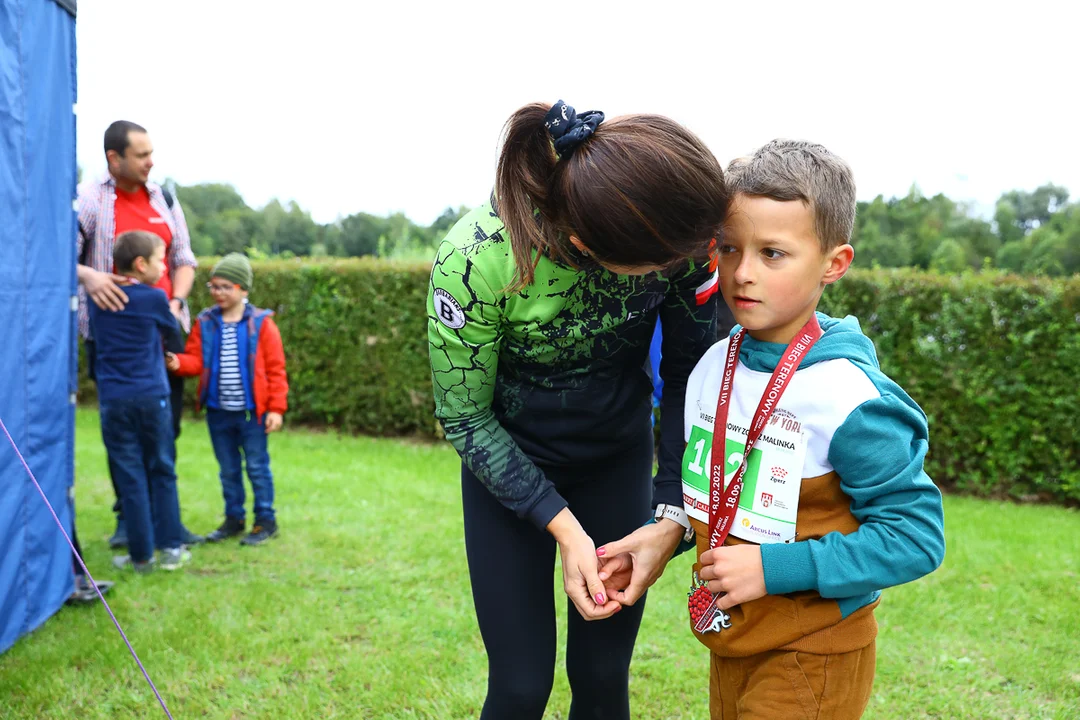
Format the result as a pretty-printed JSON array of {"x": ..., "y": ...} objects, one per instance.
[{"x": 448, "y": 309}]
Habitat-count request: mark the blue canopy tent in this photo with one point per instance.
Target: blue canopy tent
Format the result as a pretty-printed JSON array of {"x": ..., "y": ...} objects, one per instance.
[{"x": 37, "y": 324}]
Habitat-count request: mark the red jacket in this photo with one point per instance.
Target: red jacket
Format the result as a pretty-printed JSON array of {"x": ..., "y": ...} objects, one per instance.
[{"x": 266, "y": 376}]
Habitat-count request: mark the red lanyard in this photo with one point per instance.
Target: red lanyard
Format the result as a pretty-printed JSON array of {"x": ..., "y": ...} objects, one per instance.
[{"x": 723, "y": 504}]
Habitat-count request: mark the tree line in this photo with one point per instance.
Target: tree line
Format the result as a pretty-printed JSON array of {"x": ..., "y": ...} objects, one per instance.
[
  {"x": 221, "y": 222},
  {"x": 1035, "y": 232}
]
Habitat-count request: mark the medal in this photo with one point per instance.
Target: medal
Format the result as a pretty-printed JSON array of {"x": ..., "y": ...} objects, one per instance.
[
  {"x": 703, "y": 611},
  {"x": 724, "y": 502}
]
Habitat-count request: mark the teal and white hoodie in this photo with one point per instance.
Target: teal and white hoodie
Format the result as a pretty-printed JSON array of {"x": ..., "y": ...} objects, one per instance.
[{"x": 864, "y": 515}]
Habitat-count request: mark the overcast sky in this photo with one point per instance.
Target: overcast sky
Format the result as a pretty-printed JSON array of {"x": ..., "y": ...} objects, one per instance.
[{"x": 380, "y": 107}]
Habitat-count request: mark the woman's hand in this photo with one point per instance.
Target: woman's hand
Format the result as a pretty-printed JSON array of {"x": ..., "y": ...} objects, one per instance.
[
  {"x": 579, "y": 567},
  {"x": 630, "y": 566}
]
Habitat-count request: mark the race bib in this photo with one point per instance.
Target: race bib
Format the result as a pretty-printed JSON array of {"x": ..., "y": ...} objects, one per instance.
[{"x": 769, "y": 502}]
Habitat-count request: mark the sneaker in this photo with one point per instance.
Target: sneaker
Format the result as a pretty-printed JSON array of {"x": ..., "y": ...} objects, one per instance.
[
  {"x": 119, "y": 538},
  {"x": 190, "y": 538},
  {"x": 122, "y": 562},
  {"x": 260, "y": 533},
  {"x": 174, "y": 558},
  {"x": 84, "y": 593},
  {"x": 230, "y": 528}
]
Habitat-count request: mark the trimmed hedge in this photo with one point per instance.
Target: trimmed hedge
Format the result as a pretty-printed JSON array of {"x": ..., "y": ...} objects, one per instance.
[
  {"x": 355, "y": 340},
  {"x": 990, "y": 358}
]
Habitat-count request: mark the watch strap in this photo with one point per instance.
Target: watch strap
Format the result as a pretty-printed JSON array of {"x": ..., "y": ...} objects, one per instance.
[{"x": 678, "y": 514}]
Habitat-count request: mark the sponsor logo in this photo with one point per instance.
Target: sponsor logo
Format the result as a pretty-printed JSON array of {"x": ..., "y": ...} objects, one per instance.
[
  {"x": 766, "y": 500},
  {"x": 786, "y": 421},
  {"x": 777, "y": 475},
  {"x": 695, "y": 504},
  {"x": 448, "y": 309},
  {"x": 761, "y": 531},
  {"x": 746, "y": 522}
]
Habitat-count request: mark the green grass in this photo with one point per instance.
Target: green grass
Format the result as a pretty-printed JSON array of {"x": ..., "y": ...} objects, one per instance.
[{"x": 361, "y": 608}]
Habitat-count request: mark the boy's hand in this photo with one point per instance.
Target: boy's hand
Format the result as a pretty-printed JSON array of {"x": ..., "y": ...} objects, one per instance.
[
  {"x": 273, "y": 422},
  {"x": 172, "y": 363},
  {"x": 735, "y": 570}
]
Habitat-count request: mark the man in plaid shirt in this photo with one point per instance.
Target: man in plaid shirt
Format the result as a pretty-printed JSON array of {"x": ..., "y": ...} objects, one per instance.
[{"x": 124, "y": 199}]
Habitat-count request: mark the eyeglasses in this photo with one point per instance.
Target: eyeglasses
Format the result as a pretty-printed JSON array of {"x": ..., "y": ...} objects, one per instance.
[{"x": 220, "y": 288}]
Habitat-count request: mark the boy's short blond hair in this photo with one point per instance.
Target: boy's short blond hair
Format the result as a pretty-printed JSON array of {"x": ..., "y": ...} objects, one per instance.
[{"x": 801, "y": 170}]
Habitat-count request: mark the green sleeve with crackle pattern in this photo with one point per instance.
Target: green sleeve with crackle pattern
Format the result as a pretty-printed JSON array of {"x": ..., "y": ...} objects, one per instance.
[{"x": 464, "y": 320}]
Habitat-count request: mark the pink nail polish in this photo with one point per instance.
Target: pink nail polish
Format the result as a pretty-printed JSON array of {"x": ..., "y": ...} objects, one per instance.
[
  {"x": 600, "y": 552},
  {"x": 600, "y": 599}
]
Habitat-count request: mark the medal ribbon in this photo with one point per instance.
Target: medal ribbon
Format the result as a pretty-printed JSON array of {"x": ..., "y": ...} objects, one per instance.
[{"x": 723, "y": 504}]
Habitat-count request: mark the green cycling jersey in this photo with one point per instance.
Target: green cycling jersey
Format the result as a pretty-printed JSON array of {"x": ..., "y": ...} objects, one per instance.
[{"x": 556, "y": 374}]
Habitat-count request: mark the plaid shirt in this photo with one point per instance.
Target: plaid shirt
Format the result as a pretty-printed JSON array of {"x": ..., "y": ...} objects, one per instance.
[{"x": 96, "y": 206}]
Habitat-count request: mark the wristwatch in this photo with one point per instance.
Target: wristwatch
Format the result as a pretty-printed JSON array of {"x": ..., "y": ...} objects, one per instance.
[
  {"x": 182, "y": 301},
  {"x": 678, "y": 514}
]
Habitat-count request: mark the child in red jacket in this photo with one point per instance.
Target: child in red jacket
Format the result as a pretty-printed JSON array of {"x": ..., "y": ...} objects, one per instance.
[{"x": 236, "y": 351}]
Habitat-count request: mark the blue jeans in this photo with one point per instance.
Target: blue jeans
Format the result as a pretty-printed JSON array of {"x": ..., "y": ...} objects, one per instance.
[
  {"x": 138, "y": 436},
  {"x": 230, "y": 432}
]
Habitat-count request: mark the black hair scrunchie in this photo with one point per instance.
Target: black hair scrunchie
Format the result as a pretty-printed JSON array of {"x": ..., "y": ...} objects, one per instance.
[{"x": 568, "y": 129}]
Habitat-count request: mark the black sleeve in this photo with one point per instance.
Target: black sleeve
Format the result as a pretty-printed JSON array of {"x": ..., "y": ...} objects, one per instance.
[
  {"x": 688, "y": 328},
  {"x": 167, "y": 322}
]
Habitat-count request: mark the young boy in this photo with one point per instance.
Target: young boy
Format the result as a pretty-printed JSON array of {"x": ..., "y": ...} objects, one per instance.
[
  {"x": 236, "y": 351},
  {"x": 133, "y": 395},
  {"x": 834, "y": 503}
]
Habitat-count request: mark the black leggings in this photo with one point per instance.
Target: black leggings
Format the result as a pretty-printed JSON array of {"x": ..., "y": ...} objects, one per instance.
[{"x": 511, "y": 564}]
